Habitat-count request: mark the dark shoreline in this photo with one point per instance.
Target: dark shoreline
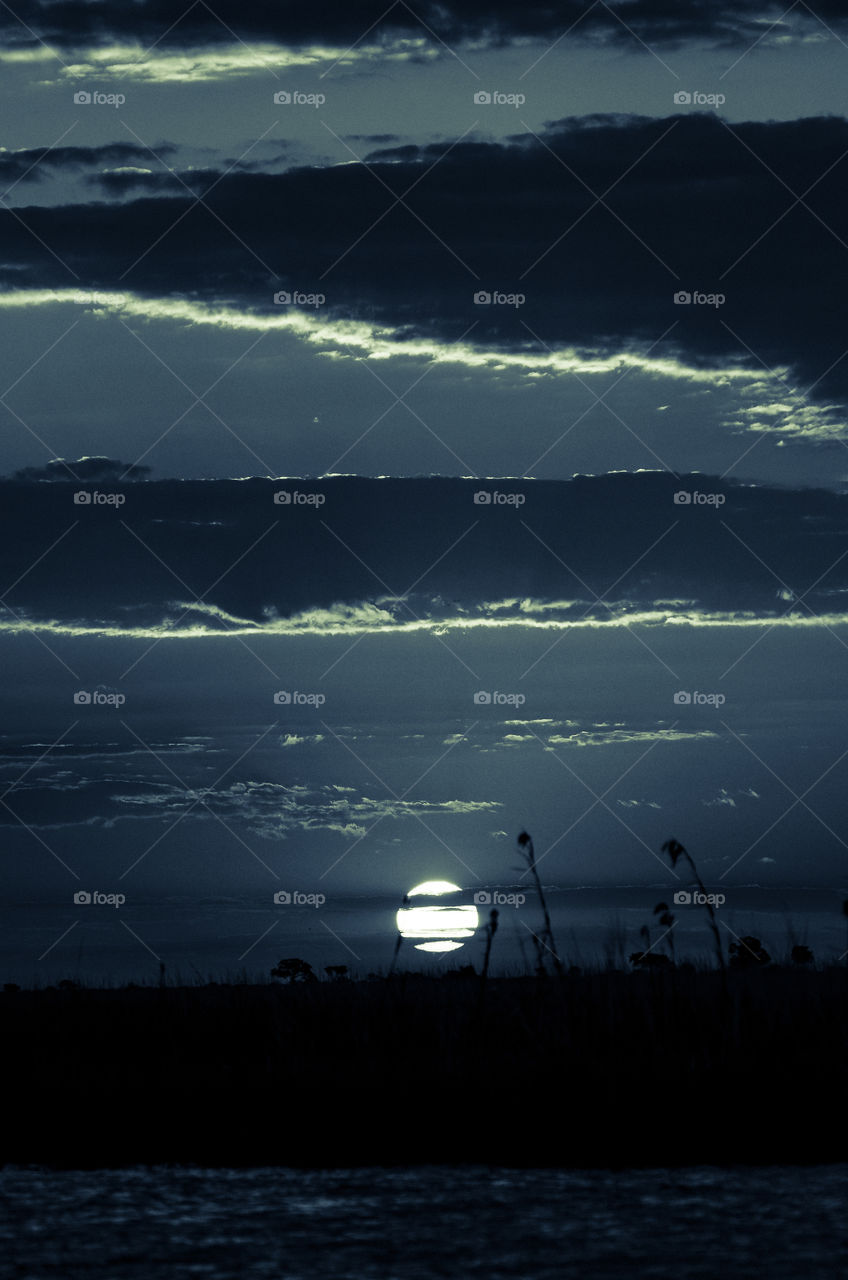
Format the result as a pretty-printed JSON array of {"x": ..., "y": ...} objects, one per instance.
[{"x": 598, "y": 1070}]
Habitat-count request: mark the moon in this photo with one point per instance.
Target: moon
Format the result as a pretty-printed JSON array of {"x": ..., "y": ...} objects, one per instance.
[{"x": 436, "y": 924}]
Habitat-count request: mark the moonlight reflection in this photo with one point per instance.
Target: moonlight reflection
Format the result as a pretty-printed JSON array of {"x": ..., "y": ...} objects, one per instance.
[{"x": 435, "y": 923}]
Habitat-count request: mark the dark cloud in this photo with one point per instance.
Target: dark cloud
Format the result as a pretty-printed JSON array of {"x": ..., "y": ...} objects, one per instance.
[
  {"x": 78, "y": 22},
  {"x": 406, "y": 153},
  {"x": 29, "y": 165},
  {"x": 144, "y": 562},
  {"x": 198, "y": 181},
  {"x": 97, "y": 470},
  {"x": 598, "y": 225},
  {"x": 376, "y": 139}
]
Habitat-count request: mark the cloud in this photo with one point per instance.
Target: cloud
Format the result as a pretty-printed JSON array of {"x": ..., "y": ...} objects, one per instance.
[
  {"x": 192, "y": 558},
  {"x": 614, "y": 737},
  {"x": 269, "y": 810},
  {"x": 727, "y": 798},
  {"x": 370, "y": 29},
  {"x": 31, "y": 164},
  {"x": 693, "y": 206},
  {"x": 94, "y": 470}
]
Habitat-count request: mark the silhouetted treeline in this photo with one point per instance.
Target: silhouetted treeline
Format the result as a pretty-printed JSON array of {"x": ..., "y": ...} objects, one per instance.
[{"x": 667, "y": 1066}]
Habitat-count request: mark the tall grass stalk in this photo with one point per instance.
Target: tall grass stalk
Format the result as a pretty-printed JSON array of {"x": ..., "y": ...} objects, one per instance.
[
  {"x": 525, "y": 844},
  {"x": 676, "y": 852}
]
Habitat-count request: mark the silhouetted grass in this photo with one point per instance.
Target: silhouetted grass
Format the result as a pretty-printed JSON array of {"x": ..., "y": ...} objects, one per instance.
[{"x": 585, "y": 1068}]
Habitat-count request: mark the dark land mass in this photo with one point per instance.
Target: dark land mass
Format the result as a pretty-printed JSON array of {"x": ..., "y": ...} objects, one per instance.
[{"x": 583, "y": 1070}]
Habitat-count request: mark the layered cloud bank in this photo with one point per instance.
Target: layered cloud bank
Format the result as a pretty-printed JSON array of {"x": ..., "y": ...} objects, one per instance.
[
  {"x": 81, "y": 22},
  {"x": 345, "y": 554},
  {"x": 610, "y": 232}
]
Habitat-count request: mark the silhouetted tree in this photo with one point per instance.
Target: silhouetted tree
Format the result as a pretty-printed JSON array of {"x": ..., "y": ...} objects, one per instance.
[
  {"x": 293, "y": 970},
  {"x": 802, "y": 955}
]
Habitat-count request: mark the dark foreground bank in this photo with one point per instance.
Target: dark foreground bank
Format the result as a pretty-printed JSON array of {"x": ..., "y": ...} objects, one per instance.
[{"x": 590, "y": 1070}]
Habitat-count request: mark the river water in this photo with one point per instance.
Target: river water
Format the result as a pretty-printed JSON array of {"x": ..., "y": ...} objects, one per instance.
[{"x": 458, "y": 1222}]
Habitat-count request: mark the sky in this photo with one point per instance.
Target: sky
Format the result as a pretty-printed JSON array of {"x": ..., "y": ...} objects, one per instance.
[{"x": 418, "y": 424}]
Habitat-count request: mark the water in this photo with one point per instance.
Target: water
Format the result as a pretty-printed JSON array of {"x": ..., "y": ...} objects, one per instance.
[{"x": 783, "y": 1222}]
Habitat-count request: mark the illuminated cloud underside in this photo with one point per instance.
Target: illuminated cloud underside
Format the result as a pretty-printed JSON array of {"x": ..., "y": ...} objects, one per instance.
[
  {"x": 126, "y": 63},
  {"x": 761, "y": 409},
  {"x": 347, "y": 621},
  {"x": 357, "y": 338}
]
